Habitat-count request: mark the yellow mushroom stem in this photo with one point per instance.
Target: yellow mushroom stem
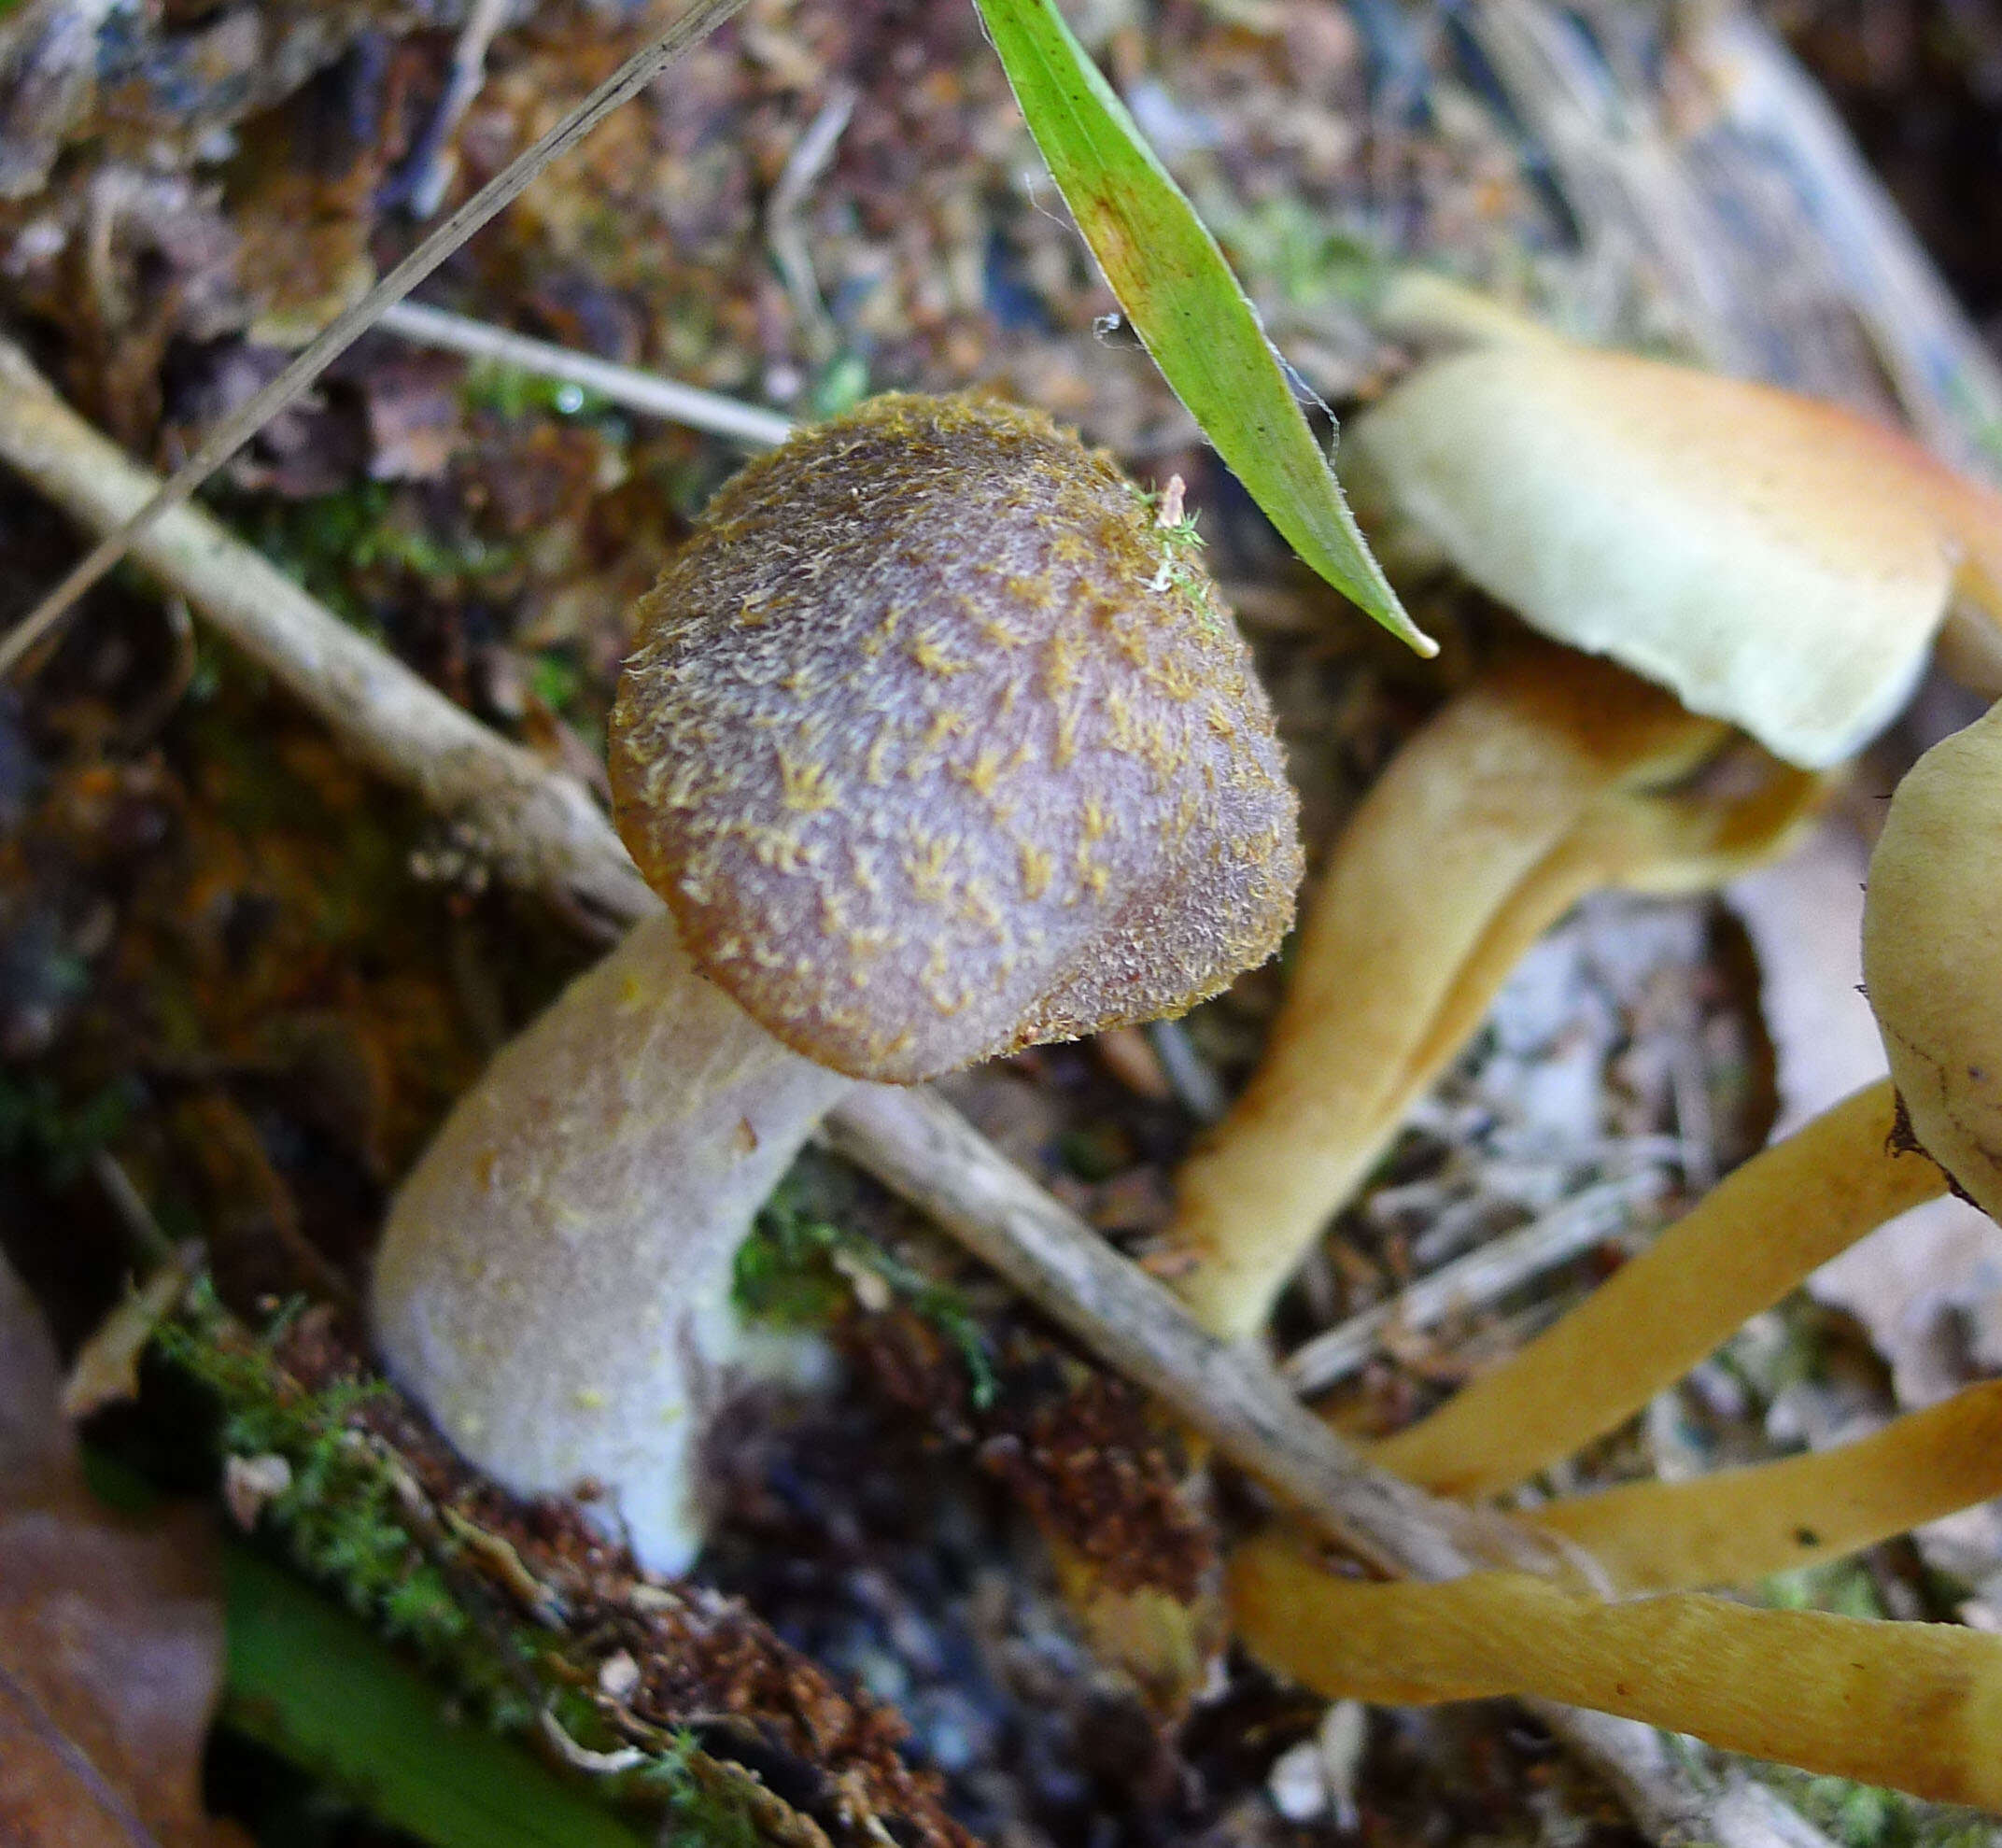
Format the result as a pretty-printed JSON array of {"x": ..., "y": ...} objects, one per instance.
[
  {"x": 1754, "y": 1237},
  {"x": 1914, "y": 1706},
  {"x": 1633, "y": 840},
  {"x": 1736, "y": 1527},
  {"x": 1547, "y": 780},
  {"x": 1166, "y": 1644}
]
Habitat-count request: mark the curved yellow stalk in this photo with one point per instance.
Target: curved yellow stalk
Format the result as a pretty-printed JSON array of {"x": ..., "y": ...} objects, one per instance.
[
  {"x": 1914, "y": 1706},
  {"x": 1754, "y": 1237},
  {"x": 1438, "y": 851},
  {"x": 1632, "y": 840},
  {"x": 1735, "y": 1527}
]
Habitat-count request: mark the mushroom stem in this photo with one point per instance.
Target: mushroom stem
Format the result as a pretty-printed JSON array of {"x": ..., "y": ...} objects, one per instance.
[
  {"x": 1628, "y": 840},
  {"x": 554, "y": 1284},
  {"x": 1738, "y": 1526},
  {"x": 1752, "y": 1237},
  {"x": 1458, "y": 849},
  {"x": 1914, "y": 1706}
]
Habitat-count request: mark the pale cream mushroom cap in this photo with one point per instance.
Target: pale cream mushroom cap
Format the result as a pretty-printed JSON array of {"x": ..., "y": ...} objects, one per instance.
[
  {"x": 1932, "y": 954},
  {"x": 1776, "y": 562}
]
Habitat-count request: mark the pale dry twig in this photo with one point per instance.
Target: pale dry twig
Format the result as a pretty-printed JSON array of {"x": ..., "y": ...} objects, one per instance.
[
  {"x": 637, "y": 391},
  {"x": 1483, "y": 1276}
]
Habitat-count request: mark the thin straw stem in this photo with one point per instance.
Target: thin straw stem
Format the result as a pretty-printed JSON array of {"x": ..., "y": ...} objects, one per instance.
[{"x": 647, "y": 392}]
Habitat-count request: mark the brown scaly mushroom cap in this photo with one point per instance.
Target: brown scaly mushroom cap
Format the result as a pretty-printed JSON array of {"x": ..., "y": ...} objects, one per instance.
[
  {"x": 939, "y": 744},
  {"x": 1932, "y": 954}
]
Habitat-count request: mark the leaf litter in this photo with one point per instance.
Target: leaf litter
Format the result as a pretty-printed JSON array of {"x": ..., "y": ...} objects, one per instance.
[
  {"x": 110, "y": 1632},
  {"x": 212, "y": 923}
]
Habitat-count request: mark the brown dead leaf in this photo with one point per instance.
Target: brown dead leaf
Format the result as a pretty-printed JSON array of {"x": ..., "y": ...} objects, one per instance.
[
  {"x": 110, "y": 1635},
  {"x": 414, "y": 416}
]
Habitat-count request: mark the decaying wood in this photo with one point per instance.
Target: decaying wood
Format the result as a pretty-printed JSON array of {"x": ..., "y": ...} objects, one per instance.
[
  {"x": 538, "y": 830},
  {"x": 921, "y": 1147},
  {"x": 1771, "y": 249}
]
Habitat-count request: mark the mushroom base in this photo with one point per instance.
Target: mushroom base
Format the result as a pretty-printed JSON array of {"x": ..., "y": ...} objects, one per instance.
[{"x": 553, "y": 1283}]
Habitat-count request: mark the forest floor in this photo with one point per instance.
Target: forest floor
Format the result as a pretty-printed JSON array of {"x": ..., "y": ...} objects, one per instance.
[{"x": 240, "y": 983}]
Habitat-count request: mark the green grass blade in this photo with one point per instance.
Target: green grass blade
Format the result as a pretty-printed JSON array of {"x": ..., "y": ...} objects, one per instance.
[
  {"x": 1178, "y": 292},
  {"x": 308, "y": 1681}
]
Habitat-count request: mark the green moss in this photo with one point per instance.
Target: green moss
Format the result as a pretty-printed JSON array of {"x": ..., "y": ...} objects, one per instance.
[
  {"x": 51, "y": 1136},
  {"x": 1286, "y": 246},
  {"x": 332, "y": 543},
  {"x": 1181, "y": 570},
  {"x": 347, "y": 1520},
  {"x": 786, "y": 1272},
  {"x": 342, "y": 1517},
  {"x": 1093, "y": 1152},
  {"x": 795, "y": 1268},
  {"x": 839, "y": 390},
  {"x": 1860, "y": 1815},
  {"x": 558, "y": 682},
  {"x": 314, "y": 541},
  {"x": 1843, "y": 1586},
  {"x": 702, "y": 1807},
  {"x": 508, "y": 391}
]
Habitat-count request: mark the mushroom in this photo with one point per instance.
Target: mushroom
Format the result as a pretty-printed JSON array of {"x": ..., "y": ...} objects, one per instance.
[
  {"x": 938, "y": 745},
  {"x": 1742, "y": 1246},
  {"x": 1932, "y": 954},
  {"x": 1740, "y": 1526},
  {"x": 1917, "y": 1706},
  {"x": 1741, "y": 556}
]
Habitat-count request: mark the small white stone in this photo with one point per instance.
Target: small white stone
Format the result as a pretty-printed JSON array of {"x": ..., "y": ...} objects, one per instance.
[
  {"x": 1298, "y": 1789},
  {"x": 251, "y": 1484}
]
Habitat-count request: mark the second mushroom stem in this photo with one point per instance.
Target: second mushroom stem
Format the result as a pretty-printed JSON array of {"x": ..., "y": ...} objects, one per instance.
[
  {"x": 1544, "y": 782},
  {"x": 1752, "y": 1239},
  {"x": 1907, "y": 1705}
]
